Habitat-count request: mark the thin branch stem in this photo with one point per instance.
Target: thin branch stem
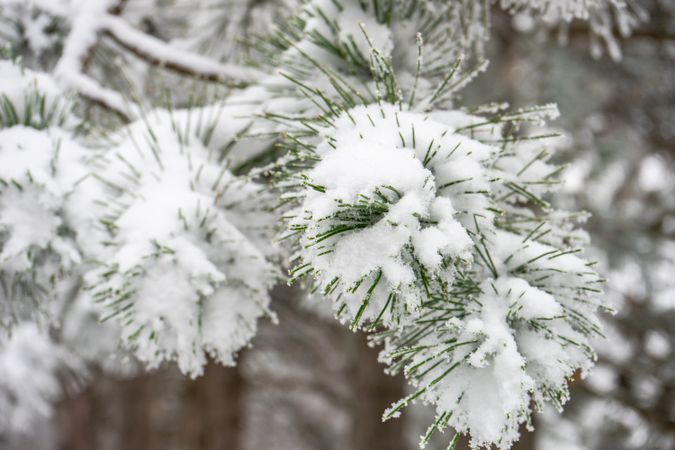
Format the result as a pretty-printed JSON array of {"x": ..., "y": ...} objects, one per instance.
[{"x": 160, "y": 53}]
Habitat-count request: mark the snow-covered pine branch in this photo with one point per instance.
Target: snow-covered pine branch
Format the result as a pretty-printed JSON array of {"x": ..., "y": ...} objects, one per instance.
[
  {"x": 407, "y": 223},
  {"x": 433, "y": 226},
  {"x": 40, "y": 166},
  {"x": 155, "y": 51},
  {"x": 185, "y": 272},
  {"x": 607, "y": 19}
]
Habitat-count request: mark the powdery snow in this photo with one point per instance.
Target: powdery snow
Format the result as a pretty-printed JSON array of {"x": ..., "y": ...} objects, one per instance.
[{"x": 181, "y": 277}]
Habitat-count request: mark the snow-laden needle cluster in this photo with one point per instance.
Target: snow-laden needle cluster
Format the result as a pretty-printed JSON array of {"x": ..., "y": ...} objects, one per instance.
[
  {"x": 433, "y": 228},
  {"x": 40, "y": 165},
  {"x": 502, "y": 341},
  {"x": 351, "y": 43},
  {"x": 182, "y": 272},
  {"x": 431, "y": 225},
  {"x": 390, "y": 209}
]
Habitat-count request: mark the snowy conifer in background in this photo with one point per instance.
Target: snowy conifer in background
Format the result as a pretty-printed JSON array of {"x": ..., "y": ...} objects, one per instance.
[{"x": 421, "y": 220}]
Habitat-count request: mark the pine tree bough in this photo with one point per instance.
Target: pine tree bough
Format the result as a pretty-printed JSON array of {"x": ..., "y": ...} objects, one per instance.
[
  {"x": 39, "y": 167},
  {"x": 433, "y": 229},
  {"x": 422, "y": 222},
  {"x": 182, "y": 274},
  {"x": 157, "y": 52}
]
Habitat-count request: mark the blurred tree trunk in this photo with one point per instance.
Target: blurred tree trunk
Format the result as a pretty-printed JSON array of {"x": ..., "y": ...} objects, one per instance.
[
  {"x": 74, "y": 422},
  {"x": 135, "y": 401},
  {"x": 162, "y": 410},
  {"x": 212, "y": 410},
  {"x": 526, "y": 441},
  {"x": 374, "y": 391}
]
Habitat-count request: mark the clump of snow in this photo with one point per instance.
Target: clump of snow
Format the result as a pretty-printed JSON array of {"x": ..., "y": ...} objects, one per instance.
[
  {"x": 30, "y": 98},
  {"x": 513, "y": 347},
  {"x": 183, "y": 274},
  {"x": 393, "y": 199}
]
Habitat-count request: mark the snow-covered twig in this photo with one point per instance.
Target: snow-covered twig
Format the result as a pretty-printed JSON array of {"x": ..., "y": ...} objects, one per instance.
[
  {"x": 98, "y": 17},
  {"x": 158, "y": 52},
  {"x": 84, "y": 35},
  {"x": 93, "y": 91}
]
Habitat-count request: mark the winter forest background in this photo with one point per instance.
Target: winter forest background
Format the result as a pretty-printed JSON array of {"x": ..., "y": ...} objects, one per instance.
[{"x": 222, "y": 222}]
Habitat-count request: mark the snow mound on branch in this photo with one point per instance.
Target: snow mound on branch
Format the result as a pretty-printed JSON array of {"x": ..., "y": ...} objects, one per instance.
[
  {"x": 183, "y": 274},
  {"x": 37, "y": 171},
  {"x": 388, "y": 211},
  {"x": 496, "y": 360},
  {"x": 514, "y": 339}
]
